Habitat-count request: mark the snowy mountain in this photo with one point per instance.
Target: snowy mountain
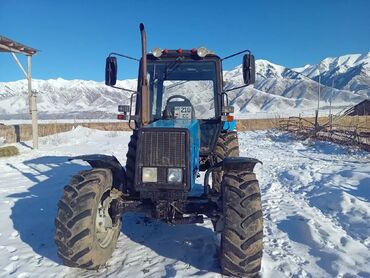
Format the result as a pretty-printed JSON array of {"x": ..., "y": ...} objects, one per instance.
[
  {"x": 278, "y": 91},
  {"x": 283, "y": 91},
  {"x": 348, "y": 72},
  {"x": 58, "y": 98}
]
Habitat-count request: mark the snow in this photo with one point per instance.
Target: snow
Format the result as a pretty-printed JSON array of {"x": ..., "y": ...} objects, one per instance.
[{"x": 316, "y": 203}]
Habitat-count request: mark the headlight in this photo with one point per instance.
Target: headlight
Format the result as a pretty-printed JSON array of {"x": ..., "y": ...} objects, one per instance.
[
  {"x": 157, "y": 52},
  {"x": 149, "y": 174},
  {"x": 202, "y": 52},
  {"x": 174, "y": 175}
]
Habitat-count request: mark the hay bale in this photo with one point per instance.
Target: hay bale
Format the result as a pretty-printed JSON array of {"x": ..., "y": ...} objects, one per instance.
[{"x": 8, "y": 151}]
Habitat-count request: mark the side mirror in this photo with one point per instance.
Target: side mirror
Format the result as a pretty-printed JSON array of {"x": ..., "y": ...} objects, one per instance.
[
  {"x": 249, "y": 69},
  {"x": 111, "y": 71}
]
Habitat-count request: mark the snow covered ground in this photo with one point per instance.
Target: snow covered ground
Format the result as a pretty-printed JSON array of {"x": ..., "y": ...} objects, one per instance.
[{"x": 316, "y": 201}]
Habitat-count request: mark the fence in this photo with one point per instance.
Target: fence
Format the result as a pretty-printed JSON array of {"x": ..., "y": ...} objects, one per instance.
[
  {"x": 347, "y": 130},
  {"x": 23, "y": 132},
  {"x": 350, "y": 130}
]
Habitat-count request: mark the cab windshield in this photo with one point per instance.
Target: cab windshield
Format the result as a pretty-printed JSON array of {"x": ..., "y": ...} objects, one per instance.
[{"x": 182, "y": 89}]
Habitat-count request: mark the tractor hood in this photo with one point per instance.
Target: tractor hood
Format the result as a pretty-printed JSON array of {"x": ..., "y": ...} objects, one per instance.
[
  {"x": 188, "y": 124},
  {"x": 191, "y": 125}
]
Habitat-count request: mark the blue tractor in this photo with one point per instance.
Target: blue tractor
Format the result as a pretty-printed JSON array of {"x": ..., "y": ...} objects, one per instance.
[{"x": 182, "y": 125}]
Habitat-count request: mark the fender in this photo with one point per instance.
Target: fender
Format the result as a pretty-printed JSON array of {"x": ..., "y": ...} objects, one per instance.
[
  {"x": 239, "y": 163},
  {"x": 230, "y": 164},
  {"x": 107, "y": 162}
]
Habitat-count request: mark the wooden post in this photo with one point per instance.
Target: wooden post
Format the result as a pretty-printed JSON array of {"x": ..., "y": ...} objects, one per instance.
[{"x": 33, "y": 106}]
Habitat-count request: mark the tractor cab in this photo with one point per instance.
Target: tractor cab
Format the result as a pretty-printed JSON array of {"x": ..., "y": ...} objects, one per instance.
[
  {"x": 183, "y": 85},
  {"x": 179, "y": 92}
]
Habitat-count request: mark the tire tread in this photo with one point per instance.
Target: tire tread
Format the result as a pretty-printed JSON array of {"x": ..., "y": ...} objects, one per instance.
[
  {"x": 227, "y": 146},
  {"x": 241, "y": 239}
]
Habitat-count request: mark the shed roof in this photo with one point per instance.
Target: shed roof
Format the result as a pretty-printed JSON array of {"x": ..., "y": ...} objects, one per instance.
[
  {"x": 8, "y": 45},
  {"x": 362, "y": 108},
  {"x": 366, "y": 101}
]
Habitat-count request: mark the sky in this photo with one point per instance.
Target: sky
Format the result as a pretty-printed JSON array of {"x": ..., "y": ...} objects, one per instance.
[{"x": 74, "y": 36}]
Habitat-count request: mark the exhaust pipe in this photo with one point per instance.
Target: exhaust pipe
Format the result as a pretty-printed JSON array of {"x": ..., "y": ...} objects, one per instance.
[{"x": 145, "y": 99}]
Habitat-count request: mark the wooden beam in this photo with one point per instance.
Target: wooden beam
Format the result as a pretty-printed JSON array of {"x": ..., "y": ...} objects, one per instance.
[
  {"x": 9, "y": 49},
  {"x": 19, "y": 64}
]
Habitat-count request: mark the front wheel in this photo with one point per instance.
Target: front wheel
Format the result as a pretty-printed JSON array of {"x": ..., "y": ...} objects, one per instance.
[
  {"x": 86, "y": 231},
  {"x": 241, "y": 239}
]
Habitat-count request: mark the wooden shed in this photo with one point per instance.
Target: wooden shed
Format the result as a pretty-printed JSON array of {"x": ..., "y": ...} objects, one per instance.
[
  {"x": 361, "y": 109},
  {"x": 10, "y": 46}
]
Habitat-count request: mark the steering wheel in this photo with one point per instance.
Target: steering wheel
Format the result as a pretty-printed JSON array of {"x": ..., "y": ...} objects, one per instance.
[
  {"x": 170, "y": 105},
  {"x": 185, "y": 99}
]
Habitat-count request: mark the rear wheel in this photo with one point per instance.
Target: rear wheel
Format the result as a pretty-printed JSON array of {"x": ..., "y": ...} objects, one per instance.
[
  {"x": 86, "y": 231},
  {"x": 227, "y": 146},
  {"x": 241, "y": 239}
]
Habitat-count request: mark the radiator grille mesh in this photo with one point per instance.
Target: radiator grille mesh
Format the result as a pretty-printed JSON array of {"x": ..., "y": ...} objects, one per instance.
[{"x": 163, "y": 149}]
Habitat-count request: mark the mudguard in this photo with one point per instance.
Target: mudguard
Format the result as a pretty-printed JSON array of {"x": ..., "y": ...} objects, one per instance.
[
  {"x": 107, "y": 162},
  {"x": 239, "y": 164}
]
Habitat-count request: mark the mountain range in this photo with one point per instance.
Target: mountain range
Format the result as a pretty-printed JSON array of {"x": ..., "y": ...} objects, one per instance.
[{"x": 278, "y": 91}]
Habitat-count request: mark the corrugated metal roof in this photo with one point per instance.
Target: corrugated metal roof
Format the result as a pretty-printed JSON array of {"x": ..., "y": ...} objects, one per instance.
[
  {"x": 8, "y": 45},
  {"x": 362, "y": 108}
]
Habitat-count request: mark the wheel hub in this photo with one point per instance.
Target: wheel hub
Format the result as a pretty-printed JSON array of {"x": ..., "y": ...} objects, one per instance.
[{"x": 104, "y": 224}]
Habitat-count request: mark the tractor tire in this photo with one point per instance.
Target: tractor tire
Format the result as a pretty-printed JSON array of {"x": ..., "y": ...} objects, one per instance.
[
  {"x": 85, "y": 233},
  {"x": 227, "y": 146},
  {"x": 241, "y": 239},
  {"x": 131, "y": 162}
]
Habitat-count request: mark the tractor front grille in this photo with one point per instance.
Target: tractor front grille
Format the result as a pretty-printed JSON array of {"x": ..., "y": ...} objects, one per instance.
[{"x": 163, "y": 148}]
